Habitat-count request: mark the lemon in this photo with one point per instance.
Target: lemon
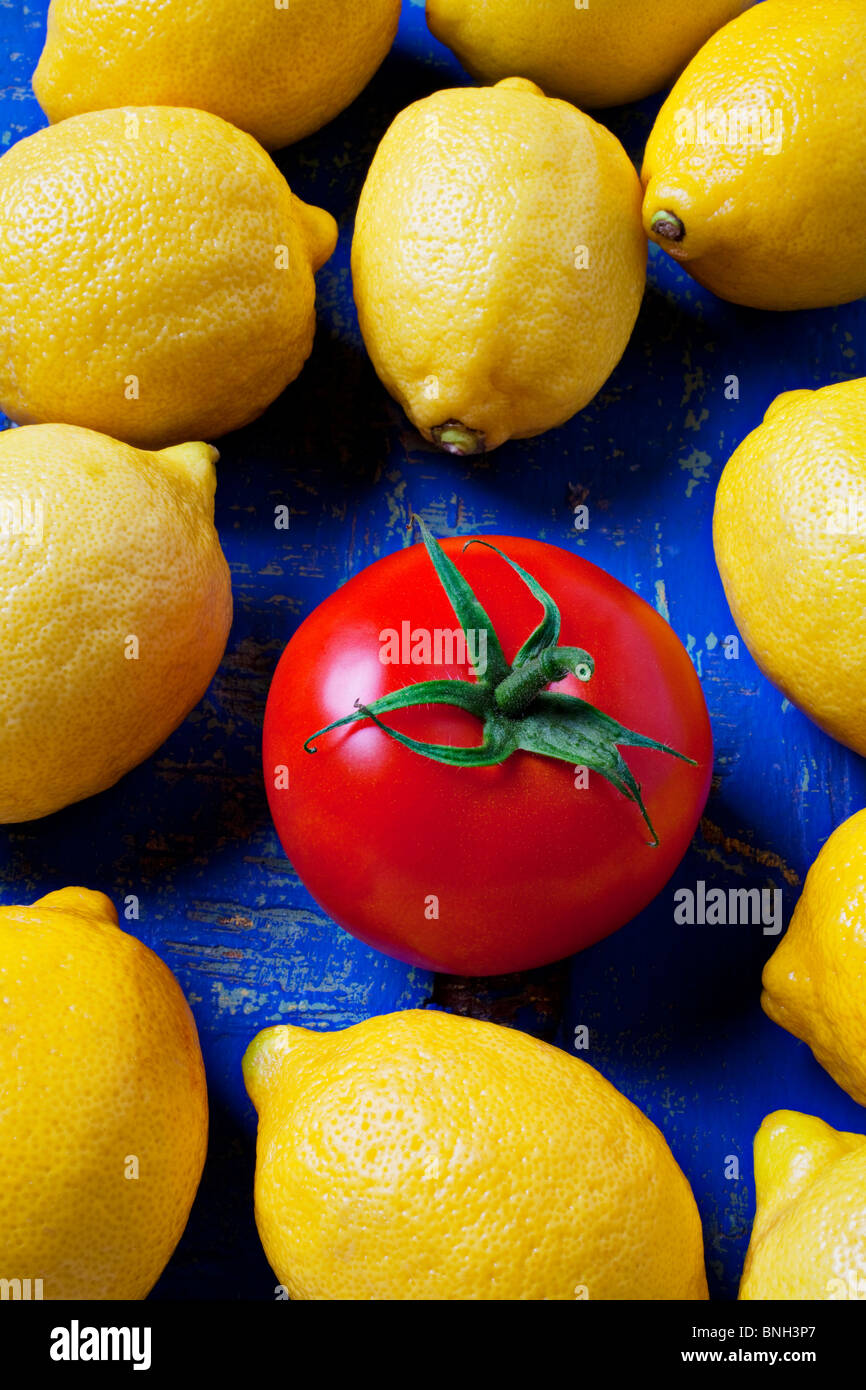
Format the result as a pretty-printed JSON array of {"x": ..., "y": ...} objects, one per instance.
[
  {"x": 593, "y": 52},
  {"x": 103, "y": 1105},
  {"x": 809, "y": 1236},
  {"x": 420, "y": 1155},
  {"x": 277, "y": 68},
  {"x": 814, "y": 981},
  {"x": 115, "y": 607},
  {"x": 755, "y": 170},
  {"x": 790, "y": 539},
  {"x": 498, "y": 262},
  {"x": 157, "y": 276}
]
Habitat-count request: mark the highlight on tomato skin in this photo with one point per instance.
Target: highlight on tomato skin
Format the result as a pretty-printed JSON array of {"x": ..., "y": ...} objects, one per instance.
[{"x": 485, "y": 754}]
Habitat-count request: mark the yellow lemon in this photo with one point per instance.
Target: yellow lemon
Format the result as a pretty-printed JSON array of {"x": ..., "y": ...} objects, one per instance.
[
  {"x": 790, "y": 539},
  {"x": 755, "y": 171},
  {"x": 814, "y": 981},
  {"x": 277, "y": 68},
  {"x": 498, "y": 262},
  {"x": 157, "y": 276},
  {"x": 421, "y": 1156},
  {"x": 115, "y": 607},
  {"x": 103, "y": 1105},
  {"x": 598, "y": 53},
  {"x": 809, "y": 1236}
]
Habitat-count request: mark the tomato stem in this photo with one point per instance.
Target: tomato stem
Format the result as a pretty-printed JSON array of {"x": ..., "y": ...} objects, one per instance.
[{"x": 517, "y": 691}]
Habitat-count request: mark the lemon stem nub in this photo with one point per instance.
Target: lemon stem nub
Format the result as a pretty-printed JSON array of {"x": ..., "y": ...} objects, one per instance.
[
  {"x": 458, "y": 438},
  {"x": 668, "y": 225}
]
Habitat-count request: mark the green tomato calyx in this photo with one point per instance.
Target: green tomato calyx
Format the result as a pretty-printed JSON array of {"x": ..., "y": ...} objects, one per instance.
[{"x": 512, "y": 701}]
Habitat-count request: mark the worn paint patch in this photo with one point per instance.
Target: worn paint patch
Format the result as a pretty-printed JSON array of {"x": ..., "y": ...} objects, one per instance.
[
  {"x": 697, "y": 465},
  {"x": 767, "y": 858},
  {"x": 662, "y": 600}
]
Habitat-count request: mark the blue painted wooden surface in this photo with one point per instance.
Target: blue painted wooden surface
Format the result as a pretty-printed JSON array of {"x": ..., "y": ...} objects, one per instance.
[{"x": 673, "y": 1011}]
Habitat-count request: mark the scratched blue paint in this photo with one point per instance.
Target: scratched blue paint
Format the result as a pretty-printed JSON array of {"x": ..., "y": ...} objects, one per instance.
[{"x": 673, "y": 1011}]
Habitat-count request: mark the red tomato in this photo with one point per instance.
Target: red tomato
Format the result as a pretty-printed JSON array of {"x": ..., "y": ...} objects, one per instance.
[{"x": 479, "y": 870}]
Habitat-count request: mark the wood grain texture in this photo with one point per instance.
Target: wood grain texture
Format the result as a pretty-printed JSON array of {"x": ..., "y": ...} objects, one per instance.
[{"x": 672, "y": 1011}]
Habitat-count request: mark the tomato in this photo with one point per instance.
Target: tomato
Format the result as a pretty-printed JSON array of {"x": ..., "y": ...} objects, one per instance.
[{"x": 470, "y": 869}]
